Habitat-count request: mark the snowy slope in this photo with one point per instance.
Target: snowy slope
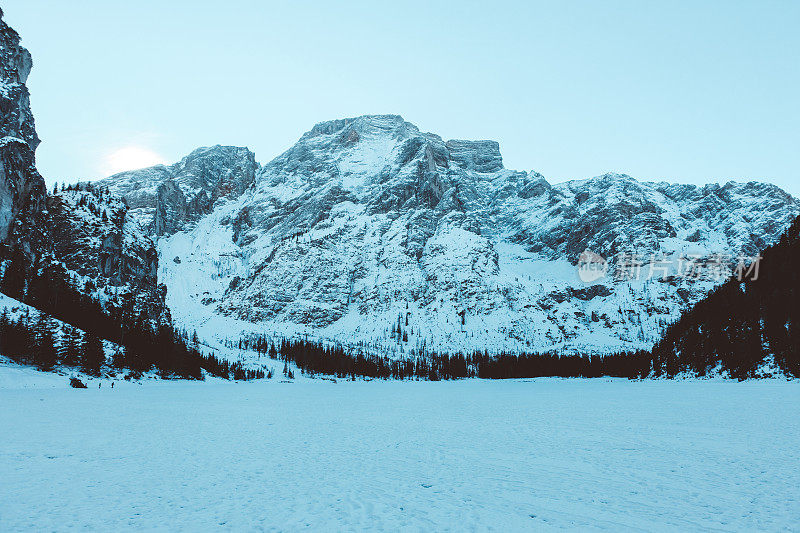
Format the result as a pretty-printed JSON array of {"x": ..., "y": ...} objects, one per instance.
[{"x": 367, "y": 223}]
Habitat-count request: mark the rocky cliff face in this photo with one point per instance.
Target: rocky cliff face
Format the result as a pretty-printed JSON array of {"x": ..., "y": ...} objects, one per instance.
[
  {"x": 22, "y": 189},
  {"x": 93, "y": 234},
  {"x": 614, "y": 213},
  {"x": 165, "y": 199},
  {"x": 87, "y": 230},
  {"x": 370, "y": 231}
]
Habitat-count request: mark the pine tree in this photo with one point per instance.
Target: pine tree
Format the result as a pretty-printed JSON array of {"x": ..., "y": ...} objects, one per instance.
[
  {"x": 14, "y": 275},
  {"x": 119, "y": 359},
  {"x": 70, "y": 347},
  {"x": 45, "y": 354},
  {"x": 92, "y": 355}
]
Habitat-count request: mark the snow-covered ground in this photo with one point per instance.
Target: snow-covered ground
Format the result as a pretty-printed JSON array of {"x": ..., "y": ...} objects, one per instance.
[{"x": 322, "y": 456}]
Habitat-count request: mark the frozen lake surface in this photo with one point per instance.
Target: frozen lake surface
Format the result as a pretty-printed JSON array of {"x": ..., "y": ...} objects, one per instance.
[{"x": 315, "y": 455}]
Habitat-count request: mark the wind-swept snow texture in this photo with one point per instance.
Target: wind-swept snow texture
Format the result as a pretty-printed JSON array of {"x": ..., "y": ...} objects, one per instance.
[
  {"x": 368, "y": 223},
  {"x": 470, "y": 455}
]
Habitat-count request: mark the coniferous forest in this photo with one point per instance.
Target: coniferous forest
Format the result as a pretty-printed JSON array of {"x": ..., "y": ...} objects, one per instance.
[
  {"x": 317, "y": 358},
  {"x": 142, "y": 343}
]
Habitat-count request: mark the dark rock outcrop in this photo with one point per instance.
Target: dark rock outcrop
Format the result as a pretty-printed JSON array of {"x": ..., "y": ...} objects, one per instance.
[{"x": 22, "y": 189}]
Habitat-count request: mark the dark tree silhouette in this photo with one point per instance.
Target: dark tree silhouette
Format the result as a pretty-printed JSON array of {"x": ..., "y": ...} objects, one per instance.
[{"x": 92, "y": 354}]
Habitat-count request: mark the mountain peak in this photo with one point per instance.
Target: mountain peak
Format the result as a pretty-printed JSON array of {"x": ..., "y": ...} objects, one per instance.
[
  {"x": 609, "y": 177},
  {"x": 216, "y": 159},
  {"x": 363, "y": 124},
  {"x": 164, "y": 198},
  {"x": 215, "y": 149}
]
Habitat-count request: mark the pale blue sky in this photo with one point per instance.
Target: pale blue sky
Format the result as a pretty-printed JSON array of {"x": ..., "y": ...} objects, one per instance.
[{"x": 681, "y": 91}]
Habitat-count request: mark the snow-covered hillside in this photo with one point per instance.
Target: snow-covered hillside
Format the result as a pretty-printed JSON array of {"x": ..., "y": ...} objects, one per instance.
[{"x": 369, "y": 231}]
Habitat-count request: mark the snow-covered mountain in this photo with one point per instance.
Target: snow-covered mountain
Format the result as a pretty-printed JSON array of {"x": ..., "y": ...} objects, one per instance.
[{"x": 370, "y": 231}]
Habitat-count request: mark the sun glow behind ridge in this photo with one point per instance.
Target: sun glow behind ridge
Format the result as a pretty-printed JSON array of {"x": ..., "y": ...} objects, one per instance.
[{"x": 131, "y": 158}]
